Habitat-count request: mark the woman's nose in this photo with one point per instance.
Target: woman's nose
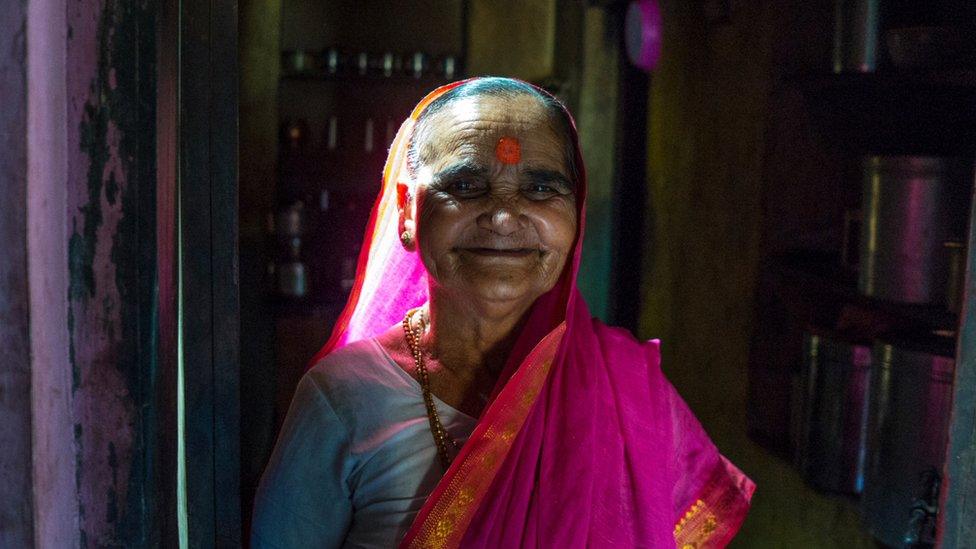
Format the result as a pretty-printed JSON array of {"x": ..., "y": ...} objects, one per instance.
[{"x": 501, "y": 218}]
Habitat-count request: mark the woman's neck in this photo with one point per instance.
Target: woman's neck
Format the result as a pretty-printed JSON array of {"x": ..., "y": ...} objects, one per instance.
[{"x": 468, "y": 337}]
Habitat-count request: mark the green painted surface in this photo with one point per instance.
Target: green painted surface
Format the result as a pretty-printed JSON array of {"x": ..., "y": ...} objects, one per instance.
[
  {"x": 595, "y": 274},
  {"x": 512, "y": 38},
  {"x": 596, "y": 118}
]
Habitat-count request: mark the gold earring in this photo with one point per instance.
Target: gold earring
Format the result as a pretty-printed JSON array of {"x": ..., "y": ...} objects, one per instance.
[{"x": 406, "y": 237}]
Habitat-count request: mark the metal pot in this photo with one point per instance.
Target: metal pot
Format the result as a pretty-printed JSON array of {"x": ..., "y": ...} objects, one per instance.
[
  {"x": 833, "y": 427},
  {"x": 908, "y": 424},
  {"x": 911, "y": 206}
]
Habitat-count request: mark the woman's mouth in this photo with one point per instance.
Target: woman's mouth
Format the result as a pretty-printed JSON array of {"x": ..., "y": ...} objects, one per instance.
[{"x": 501, "y": 252}]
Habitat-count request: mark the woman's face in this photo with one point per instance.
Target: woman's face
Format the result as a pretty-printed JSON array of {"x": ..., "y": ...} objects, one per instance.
[{"x": 494, "y": 223}]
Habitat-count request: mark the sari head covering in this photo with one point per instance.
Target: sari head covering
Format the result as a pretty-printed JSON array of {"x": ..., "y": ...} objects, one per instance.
[{"x": 584, "y": 442}]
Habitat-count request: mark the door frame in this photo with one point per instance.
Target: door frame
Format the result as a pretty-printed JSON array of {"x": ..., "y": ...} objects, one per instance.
[
  {"x": 958, "y": 508},
  {"x": 197, "y": 254}
]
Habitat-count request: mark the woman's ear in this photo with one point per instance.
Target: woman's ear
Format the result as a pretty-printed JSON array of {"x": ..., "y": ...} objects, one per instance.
[
  {"x": 406, "y": 226},
  {"x": 403, "y": 195}
]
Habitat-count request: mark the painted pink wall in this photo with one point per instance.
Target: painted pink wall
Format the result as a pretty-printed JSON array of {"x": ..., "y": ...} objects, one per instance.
[
  {"x": 77, "y": 141},
  {"x": 53, "y": 459}
]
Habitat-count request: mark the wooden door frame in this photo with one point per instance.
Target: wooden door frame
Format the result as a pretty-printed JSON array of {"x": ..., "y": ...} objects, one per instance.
[
  {"x": 198, "y": 283},
  {"x": 958, "y": 508}
]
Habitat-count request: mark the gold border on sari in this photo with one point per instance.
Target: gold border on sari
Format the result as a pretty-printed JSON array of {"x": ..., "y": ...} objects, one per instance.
[
  {"x": 445, "y": 525},
  {"x": 695, "y": 527},
  {"x": 715, "y": 516}
]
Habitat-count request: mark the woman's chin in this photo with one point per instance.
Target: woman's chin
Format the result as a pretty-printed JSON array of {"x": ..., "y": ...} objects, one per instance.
[{"x": 500, "y": 291}]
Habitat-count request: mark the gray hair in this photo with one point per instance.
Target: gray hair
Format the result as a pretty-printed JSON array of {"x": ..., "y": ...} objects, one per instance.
[{"x": 508, "y": 88}]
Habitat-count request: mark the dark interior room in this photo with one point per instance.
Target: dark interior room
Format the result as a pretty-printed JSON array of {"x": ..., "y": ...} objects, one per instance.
[{"x": 194, "y": 198}]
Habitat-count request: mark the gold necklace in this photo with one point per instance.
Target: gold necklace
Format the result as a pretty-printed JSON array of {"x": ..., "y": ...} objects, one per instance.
[{"x": 444, "y": 441}]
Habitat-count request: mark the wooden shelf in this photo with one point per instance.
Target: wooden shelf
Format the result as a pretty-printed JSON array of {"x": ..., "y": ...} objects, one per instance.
[
  {"x": 428, "y": 81},
  {"x": 819, "y": 292},
  {"x": 896, "y": 112}
]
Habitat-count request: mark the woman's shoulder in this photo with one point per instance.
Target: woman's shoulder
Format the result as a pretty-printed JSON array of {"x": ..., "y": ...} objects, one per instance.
[
  {"x": 623, "y": 343},
  {"x": 354, "y": 367},
  {"x": 363, "y": 385}
]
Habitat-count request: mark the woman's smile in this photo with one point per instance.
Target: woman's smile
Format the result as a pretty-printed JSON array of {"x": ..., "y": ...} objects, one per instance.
[
  {"x": 514, "y": 257},
  {"x": 494, "y": 228},
  {"x": 516, "y": 253}
]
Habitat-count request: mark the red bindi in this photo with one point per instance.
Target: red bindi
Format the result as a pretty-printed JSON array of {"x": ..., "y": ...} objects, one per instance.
[{"x": 508, "y": 150}]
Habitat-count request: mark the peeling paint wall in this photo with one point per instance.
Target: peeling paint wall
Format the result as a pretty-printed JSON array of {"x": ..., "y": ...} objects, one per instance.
[
  {"x": 77, "y": 273},
  {"x": 110, "y": 124},
  {"x": 95, "y": 173}
]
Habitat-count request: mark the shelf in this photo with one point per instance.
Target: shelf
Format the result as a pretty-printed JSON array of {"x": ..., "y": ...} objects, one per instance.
[
  {"x": 895, "y": 113},
  {"x": 428, "y": 81},
  {"x": 820, "y": 293}
]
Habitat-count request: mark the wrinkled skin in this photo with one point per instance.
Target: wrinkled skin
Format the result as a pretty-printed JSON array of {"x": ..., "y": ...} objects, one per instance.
[
  {"x": 493, "y": 237},
  {"x": 494, "y": 233}
]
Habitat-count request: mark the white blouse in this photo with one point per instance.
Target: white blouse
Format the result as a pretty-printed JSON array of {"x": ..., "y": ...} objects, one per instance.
[{"x": 355, "y": 459}]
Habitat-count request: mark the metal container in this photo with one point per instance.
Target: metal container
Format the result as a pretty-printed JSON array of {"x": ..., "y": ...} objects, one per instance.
[
  {"x": 298, "y": 62},
  {"x": 832, "y": 436},
  {"x": 856, "y": 35},
  {"x": 956, "y": 282},
  {"x": 908, "y": 424},
  {"x": 292, "y": 274},
  {"x": 911, "y": 206}
]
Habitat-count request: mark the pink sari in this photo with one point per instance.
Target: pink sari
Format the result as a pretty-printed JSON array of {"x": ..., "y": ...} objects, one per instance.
[{"x": 584, "y": 443}]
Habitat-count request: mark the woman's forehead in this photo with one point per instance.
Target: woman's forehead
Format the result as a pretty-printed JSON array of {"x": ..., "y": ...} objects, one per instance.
[
  {"x": 474, "y": 125},
  {"x": 520, "y": 110}
]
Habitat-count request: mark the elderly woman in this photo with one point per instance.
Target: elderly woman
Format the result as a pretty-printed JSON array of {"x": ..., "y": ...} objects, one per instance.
[{"x": 466, "y": 398}]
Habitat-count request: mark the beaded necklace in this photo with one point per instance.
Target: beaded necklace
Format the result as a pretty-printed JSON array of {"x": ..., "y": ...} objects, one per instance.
[{"x": 446, "y": 445}]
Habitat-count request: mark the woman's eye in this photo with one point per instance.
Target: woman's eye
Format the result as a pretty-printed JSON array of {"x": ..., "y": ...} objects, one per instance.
[
  {"x": 539, "y": 189},
  {"x": 465, "y": 187}
]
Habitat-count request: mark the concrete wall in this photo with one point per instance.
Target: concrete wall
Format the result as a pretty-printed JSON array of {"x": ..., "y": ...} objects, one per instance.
[
  {"x": 54, "y": 463},
  {"x": 37, "y": 498},
  {"x": 16, "y": 498},
  {"x": 76, "y": 176},
  {"x": 708, "y": 148}
]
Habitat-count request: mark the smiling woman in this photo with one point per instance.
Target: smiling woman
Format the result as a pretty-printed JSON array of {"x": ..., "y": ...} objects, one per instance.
[
  {"x": 466, "y": 397},
  {"x": 493, "y": 234}
]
